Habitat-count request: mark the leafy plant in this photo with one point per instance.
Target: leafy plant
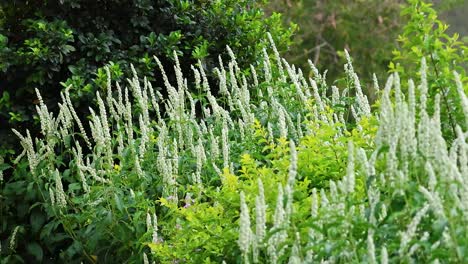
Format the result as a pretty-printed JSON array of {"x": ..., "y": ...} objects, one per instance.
[
  {"x": 179, "y": 178},
  {"x": 402, "y": 202},
  {"x": 425, "y": 37},
  {"x": 111, "y": 193},
  {"x": 47, "y": 43}
]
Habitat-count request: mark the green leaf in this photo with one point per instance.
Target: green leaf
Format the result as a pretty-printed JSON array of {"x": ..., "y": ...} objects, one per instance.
[
  {"x": 118, "y": 202},
  {"x": 74, "y": 186},
  {"x": 35, "y": 250},
  {"x": 153, "y": 246},
  {"x": 68, "y": 48},
  {"x": 37, "y": 220},
  {"x": 4, "y": 166}
]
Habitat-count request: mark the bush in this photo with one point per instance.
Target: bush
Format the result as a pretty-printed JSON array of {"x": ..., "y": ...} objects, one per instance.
[
  {"x": 327, "y": 178},
  {"x": 409, "y": 207},
  {"x": 69, "y": 42},
  {"x": 103, "y": 206}
]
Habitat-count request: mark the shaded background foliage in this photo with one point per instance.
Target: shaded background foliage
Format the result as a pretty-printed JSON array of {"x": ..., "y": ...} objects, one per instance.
[{"x": 367, "y": 29}]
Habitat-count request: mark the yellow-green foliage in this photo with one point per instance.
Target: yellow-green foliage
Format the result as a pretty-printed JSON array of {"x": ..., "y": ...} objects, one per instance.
[{"x": 205, "y": 228}]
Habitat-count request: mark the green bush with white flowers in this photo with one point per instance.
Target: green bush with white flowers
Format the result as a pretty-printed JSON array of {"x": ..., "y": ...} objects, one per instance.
[{"x": 279, "y": 167}]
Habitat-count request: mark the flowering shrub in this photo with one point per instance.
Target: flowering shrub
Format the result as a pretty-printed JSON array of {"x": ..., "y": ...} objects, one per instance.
[
  {"x": 102, "y": 191},
  {"x": 410, "y": 206},
  {"x": 303, "y": 173},
  {"x": 54, "y": 44}
]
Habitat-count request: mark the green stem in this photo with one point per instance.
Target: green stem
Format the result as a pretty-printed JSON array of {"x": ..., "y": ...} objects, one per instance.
[{"x": 444, "y": 97}]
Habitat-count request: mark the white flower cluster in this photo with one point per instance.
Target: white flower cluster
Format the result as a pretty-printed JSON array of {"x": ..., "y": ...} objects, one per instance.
[
  {"x": 249, "y": 241},
  {"x": 60, "y": 196},
  {"x": 245, "y": 234},
  {"x": 152, "y": 226}
]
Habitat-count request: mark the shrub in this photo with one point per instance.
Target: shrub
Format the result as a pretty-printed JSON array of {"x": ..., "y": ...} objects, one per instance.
[
  {"x": 157, "y": 191},
  {"x": 128, "y": 192},
  {"x": 70, "y": 42},
  {"x": 414, "y": 186},
  {"x": 139, "y": 185}
]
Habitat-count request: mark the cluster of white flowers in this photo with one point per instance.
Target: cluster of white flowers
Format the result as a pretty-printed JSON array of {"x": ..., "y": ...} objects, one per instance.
[
  {"x": 13, "y": 238},
  {"x": 60, "y": 196},
  {"x": 1, "y": 172},
  {"x": 152, "y": 226},
  {"x": 245, "y": 233},
  {"x": 411, "y": 229}
]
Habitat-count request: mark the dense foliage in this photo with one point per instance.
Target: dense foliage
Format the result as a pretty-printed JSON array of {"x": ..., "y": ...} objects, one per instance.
[
  {"x": 276, "y": 168},
  {"x": 54, "y": 44},
  {"x": 94, "y": 204}
]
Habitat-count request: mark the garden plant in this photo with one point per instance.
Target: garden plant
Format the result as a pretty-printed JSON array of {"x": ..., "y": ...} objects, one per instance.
[
  {"x": 263, "y": 165},
  {"x": 57, "y": 43}
]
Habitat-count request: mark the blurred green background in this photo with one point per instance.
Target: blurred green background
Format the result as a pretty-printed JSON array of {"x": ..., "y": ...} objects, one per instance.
[{"x": 367, "y": 28}]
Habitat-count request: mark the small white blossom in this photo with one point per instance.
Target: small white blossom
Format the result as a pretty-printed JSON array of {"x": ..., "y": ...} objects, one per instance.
[
  {"x": 59, "y": 193},
  {"x": 411, "y": 229},
  {"x": 260, "y": 213},
  {"x": 384, "y": 256},
  {"x": 13, "y": 238},
  {"x": 245, "y": 234}
]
